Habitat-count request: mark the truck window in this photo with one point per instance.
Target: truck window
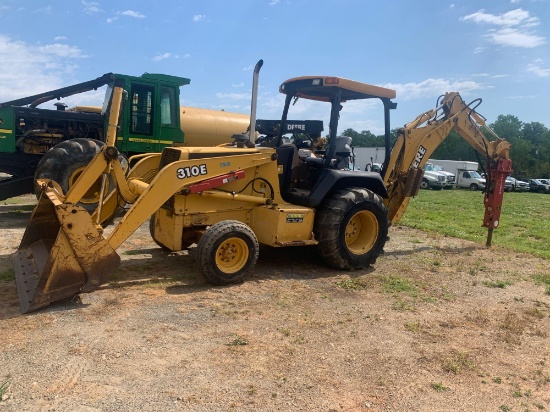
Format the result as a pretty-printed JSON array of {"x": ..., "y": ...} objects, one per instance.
[
  {"x": 167, "y": 107},
  {"x": 466, "y": 175},
  {"x": 142, "y": 110}
]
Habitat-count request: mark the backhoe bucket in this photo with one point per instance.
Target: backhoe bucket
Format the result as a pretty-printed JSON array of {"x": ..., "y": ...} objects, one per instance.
[{"x": 62, "y": 254}]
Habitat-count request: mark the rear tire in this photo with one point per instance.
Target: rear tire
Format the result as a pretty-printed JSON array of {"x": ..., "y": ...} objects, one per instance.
[
  {"x": 66, "y": 161},
  {"x": 351, "y": 227},
  {"x": 226, "y": 252}
]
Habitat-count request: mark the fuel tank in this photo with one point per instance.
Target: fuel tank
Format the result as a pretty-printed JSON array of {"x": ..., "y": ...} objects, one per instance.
[{"x": 204, "y": 127}]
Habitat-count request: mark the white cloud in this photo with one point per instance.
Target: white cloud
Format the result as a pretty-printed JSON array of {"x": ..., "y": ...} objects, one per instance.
[
  {"x": 91, "y": 7},
  {"x": 111, "y": 19},
  {"x": 479, "y": 50},
  {"x": 511, "y": 18},
  {"x": 164, "y": 56},
  {"x": 537, "y": 69},
  {"x": 233, "y": 96},
  {"x": 514, "y": 28},
  {"x": 44, "y": 10},
  {"x": 516, "y": 38},
  {"x": 132, "y": 13},
  {"x": 274, "y": 2},
  {"x": 59, "y": 38},
  {"x": 60, "y": 50},
  {"x": 199, "y": 17},
  {"x": 521, "y": 97},
  {"x": 238, "y": 85},
  {"x": 248, "y": 68},
  {"x": 34, "y": 68},
  {"x": 432, "y": 88}
]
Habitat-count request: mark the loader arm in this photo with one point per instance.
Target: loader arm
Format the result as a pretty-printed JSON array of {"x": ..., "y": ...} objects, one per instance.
[
  {"x": 418, "y": 140},
  {"x": 63, "y": 251}
]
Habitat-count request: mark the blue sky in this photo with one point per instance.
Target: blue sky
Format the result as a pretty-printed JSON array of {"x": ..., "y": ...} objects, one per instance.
[{"x": 496, "y": 50}]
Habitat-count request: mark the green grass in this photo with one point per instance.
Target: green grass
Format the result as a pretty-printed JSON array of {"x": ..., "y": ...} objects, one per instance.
[
  {"x": 7, "y": 275},
  {"x": 524, "y": 224},
  {"x": 4, "y": 386}
]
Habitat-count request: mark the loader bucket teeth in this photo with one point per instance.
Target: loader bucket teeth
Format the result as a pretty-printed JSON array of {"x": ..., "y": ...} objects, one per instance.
[{"x": 61, "y": 254}]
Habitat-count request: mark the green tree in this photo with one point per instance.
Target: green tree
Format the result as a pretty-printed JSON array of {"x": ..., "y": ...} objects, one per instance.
[
  {"x": 508, "y": 127},
  {"x": 530, "y": 142}
]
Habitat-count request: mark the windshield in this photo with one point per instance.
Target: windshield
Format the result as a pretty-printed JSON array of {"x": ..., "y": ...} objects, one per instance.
[{"x": 475, "y": 175}]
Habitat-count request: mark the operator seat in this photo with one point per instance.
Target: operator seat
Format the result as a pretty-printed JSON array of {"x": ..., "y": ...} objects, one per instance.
[{"x": 288, "y": 160}]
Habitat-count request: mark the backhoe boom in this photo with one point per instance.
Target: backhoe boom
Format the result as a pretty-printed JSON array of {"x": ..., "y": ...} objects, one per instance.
[{"x": 418, "y": 140}]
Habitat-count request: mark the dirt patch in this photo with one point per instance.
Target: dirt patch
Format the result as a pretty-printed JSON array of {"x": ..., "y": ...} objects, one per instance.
[{"x": 438, "y": 324}]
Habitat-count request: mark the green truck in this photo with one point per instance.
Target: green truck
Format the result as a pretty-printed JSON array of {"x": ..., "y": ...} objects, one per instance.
[{"x": 58, "y": 143}]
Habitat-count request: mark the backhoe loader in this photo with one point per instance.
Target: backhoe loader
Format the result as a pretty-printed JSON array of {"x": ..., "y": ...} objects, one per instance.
[{"x": 229, "y": 199}]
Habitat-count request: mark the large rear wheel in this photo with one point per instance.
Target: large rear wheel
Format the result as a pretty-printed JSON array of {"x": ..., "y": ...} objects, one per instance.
[
  {"x": 66, "y": 162},
  {"x": 226, "y": 252},
  {"x": 351, "y": 227}
]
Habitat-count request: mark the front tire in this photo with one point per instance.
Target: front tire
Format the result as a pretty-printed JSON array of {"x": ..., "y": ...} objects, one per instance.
[
  {"x": 227, "y": 252},
  {"x": 473, "y": 187},
  {"x": 351, "y": 227}
]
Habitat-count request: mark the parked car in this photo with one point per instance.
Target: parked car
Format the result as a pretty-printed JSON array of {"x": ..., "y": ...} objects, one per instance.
[
  {"x": 518, "y": 185},
  {"x": 513, "y": 184},
  {"x": 536, "y": 185},
  {"x": 508, "y": 185}
]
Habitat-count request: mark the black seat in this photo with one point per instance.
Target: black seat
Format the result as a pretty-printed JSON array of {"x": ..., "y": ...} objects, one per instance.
[{"x": 287, "y": 158}]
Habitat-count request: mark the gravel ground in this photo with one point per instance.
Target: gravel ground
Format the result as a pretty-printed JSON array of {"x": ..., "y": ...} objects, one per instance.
[{"x": 438, "y": 324}]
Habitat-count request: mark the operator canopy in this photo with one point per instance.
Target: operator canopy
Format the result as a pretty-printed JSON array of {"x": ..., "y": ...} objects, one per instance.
[{"x": 324, "y": 88}]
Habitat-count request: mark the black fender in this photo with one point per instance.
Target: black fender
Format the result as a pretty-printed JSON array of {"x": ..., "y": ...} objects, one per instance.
[{"x": 331, "y": 180}]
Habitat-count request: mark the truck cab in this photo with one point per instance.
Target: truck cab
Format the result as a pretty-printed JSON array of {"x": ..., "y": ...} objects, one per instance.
[
  {"x": 30, "y": 128},
  {"x": 434, "y": 170}
]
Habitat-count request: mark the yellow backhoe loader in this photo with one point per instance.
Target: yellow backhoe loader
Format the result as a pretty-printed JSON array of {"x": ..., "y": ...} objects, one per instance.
[{"x": 229, "y": 199}]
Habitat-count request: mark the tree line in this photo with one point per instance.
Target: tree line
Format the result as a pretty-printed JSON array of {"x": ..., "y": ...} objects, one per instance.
[{"x": 530, "y": 151}]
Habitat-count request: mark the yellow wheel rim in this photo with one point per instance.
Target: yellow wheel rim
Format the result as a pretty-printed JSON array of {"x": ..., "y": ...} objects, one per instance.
[
  {"x": 361, "y": 232},
  {"x": 232, "y": 255},
  {"x": 92, "y": 195}
]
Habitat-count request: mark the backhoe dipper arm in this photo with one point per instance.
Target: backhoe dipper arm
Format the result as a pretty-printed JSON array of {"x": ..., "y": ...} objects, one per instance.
[{"x": 418, "y": 140}]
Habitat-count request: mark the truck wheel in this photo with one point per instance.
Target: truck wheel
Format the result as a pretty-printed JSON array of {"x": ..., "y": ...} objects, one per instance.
[
  {"x": 226, "y": 252},
  {"x": 66, "y": 161},
  {"x": 351, "y": 227},
  {"x": 424, "y": 184},
  {"x": 473, "y": 186}
]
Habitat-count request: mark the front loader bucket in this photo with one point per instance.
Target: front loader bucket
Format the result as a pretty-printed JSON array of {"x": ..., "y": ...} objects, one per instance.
[{"x": 62, "y": 253}]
